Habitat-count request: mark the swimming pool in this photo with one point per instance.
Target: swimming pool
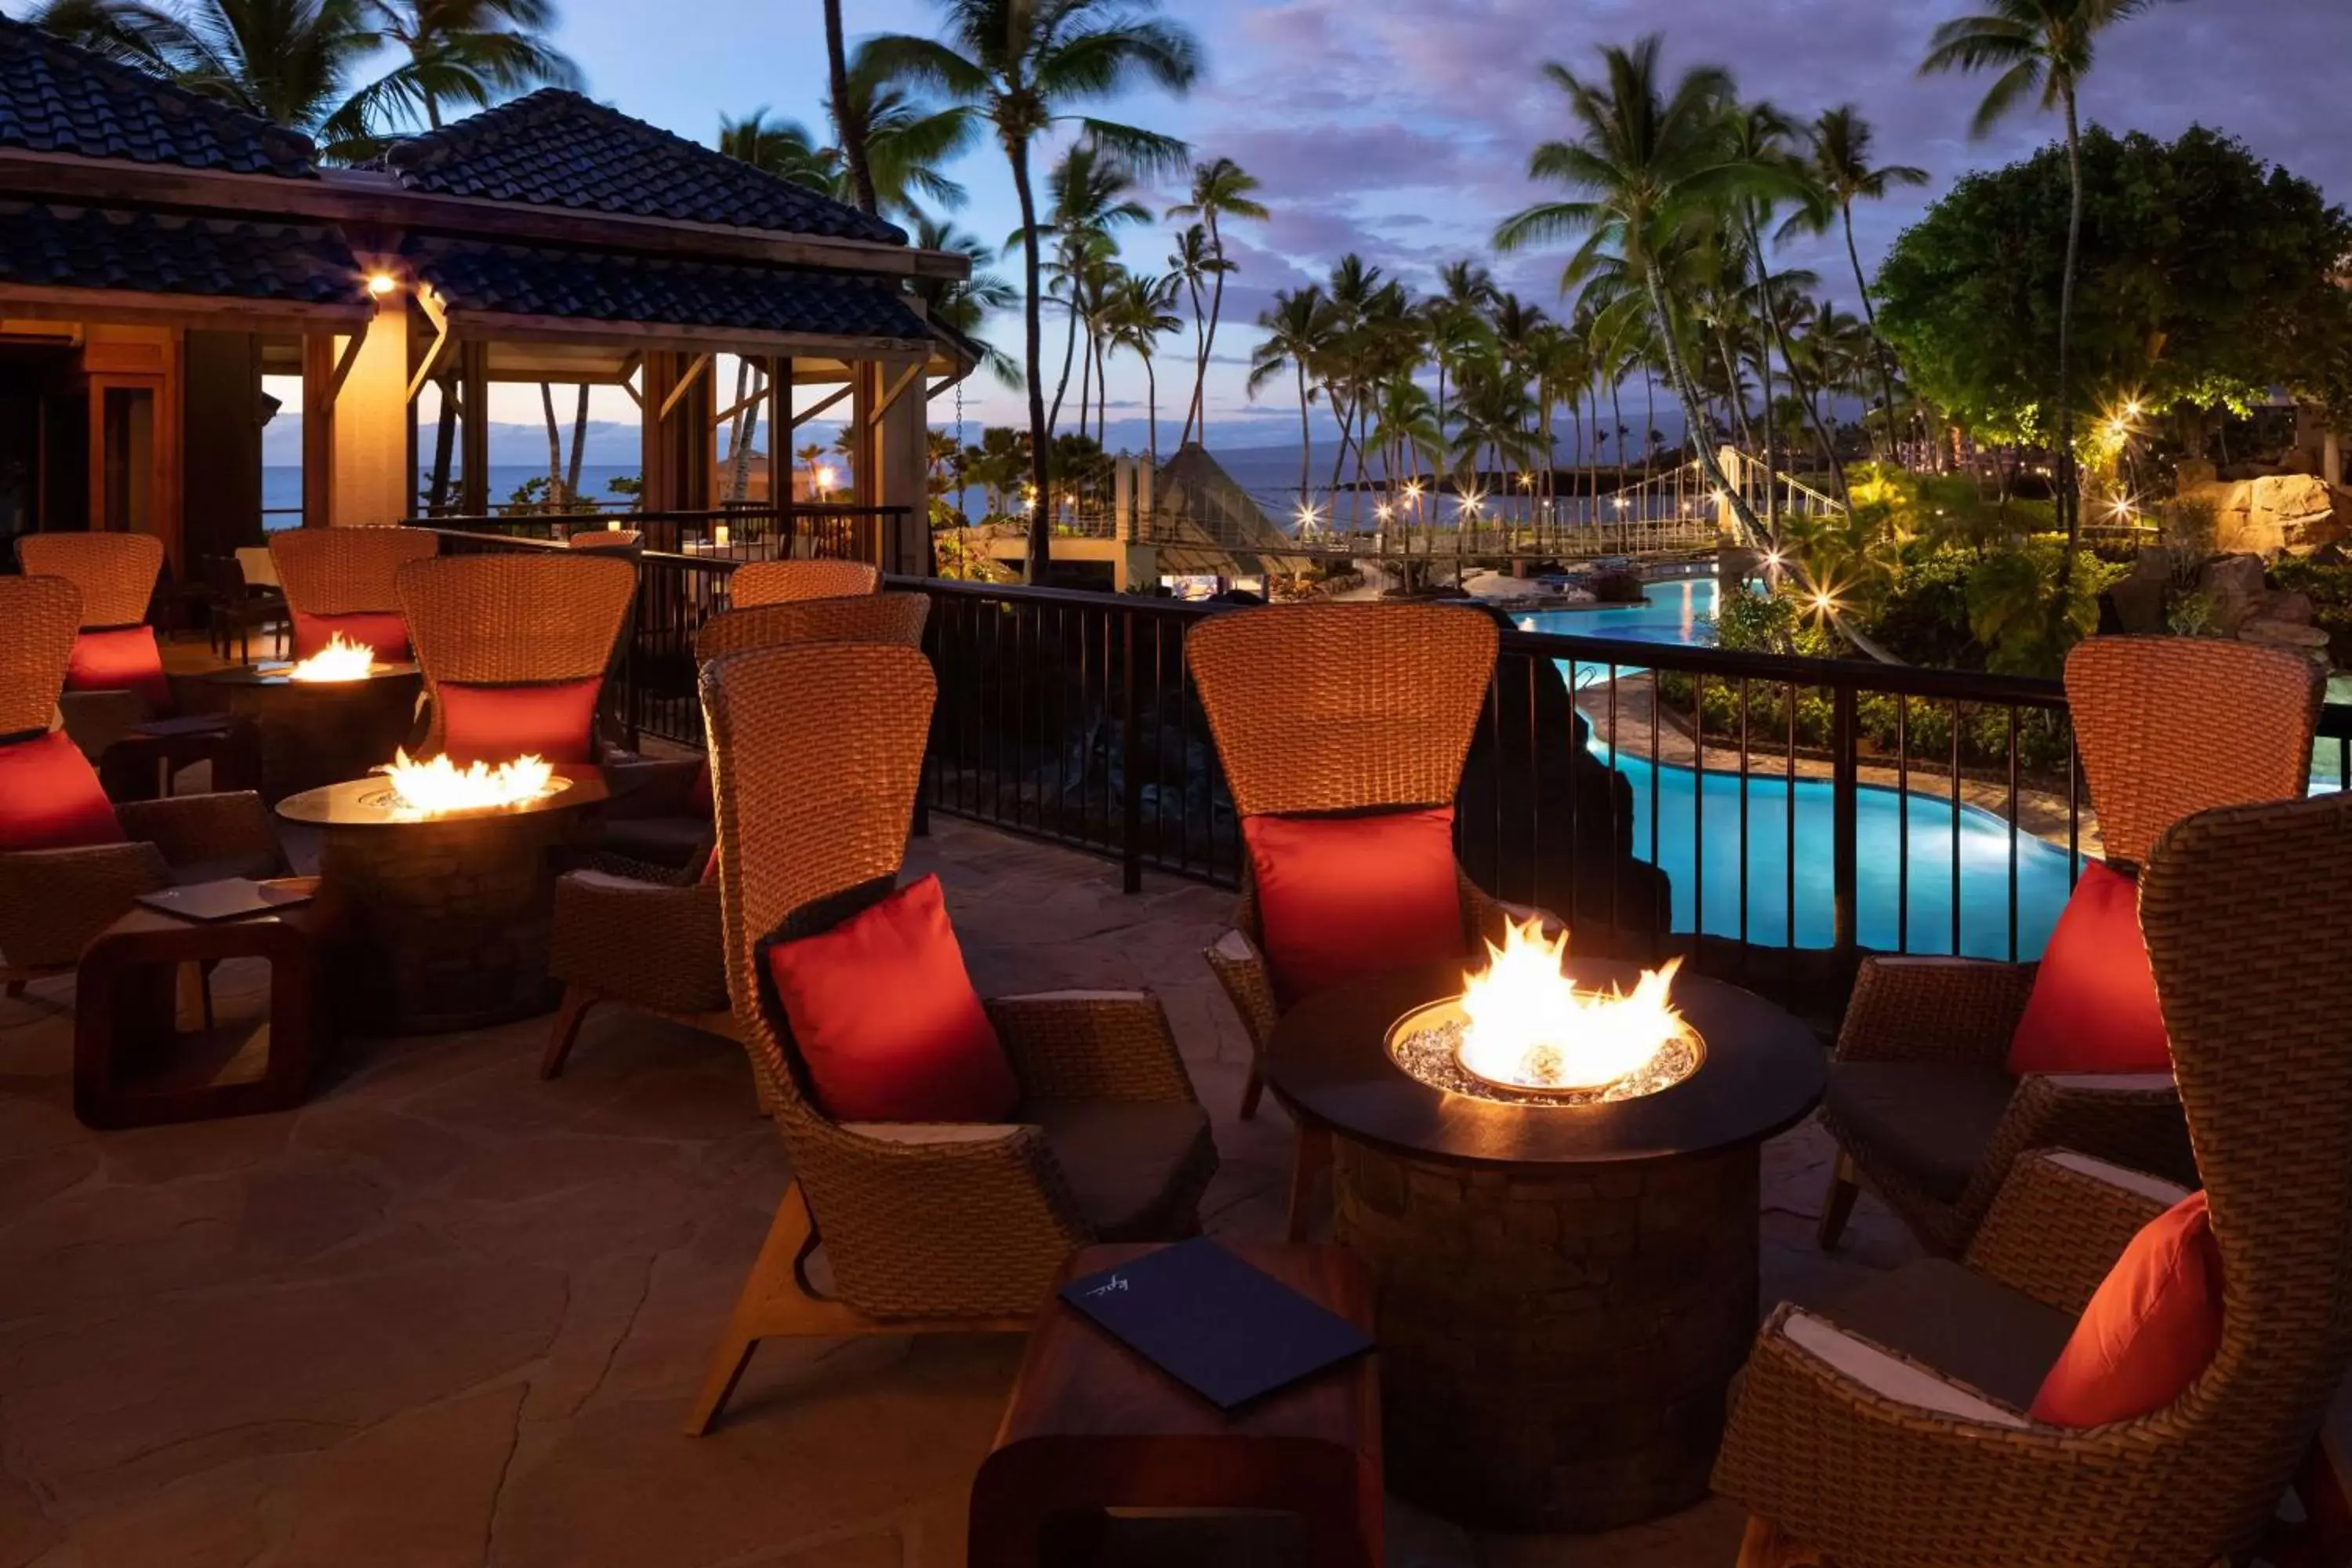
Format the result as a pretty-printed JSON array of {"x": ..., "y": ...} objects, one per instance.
[
  {"x": 1680, "y": 612},
  {"x": 1712, "y": 901}
]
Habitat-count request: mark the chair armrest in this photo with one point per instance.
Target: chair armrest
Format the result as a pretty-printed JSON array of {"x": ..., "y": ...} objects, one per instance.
[
  {"x": 1958, "y": 1010},
  {"x": 2131, "y": 1119},
  {"x": 190, "y": 828},
  {"x": 2061, "y": 1221},
  {"x": 52, "y": 901},
  {"x": 659, "y": 786},
  {"x": 1234, "y": 960},
  {"x": 1092, "y": 1045},
  {"x": 655, "y": 945}
]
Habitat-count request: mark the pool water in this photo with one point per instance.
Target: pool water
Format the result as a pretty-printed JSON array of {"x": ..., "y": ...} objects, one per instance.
[
  {"x": 1692, "y": 814},
  {"x": 1679, "y": 612}
]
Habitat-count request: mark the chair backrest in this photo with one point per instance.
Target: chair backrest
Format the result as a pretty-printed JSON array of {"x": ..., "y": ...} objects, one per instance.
[
  {"x": 873, "y": 618},
  {"x": 602, "y": 538},
  {"x": 346, "y": 571},
  {"x": 541, "y": 618},
  {"x": 2255, "y": 979},
  {"x": 2169, "y": 726},
  {"x": 815, "y": 753},
  {"x": 778, "y": 581},
  {"x": 1329, "y": 707},
  {"x": 39, "y": 619},
  {"x": 115, "y": 572}
]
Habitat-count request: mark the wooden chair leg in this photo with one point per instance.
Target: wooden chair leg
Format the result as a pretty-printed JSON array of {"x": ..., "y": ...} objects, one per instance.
[
  {"x": 1251, "y": 1091},
  {"x": 577, "y": 1000},
  {"x": 1837, "y": 1204},
  {"x": 1764, "y": 1546},
  {"x": 1312, "y": 1158}
]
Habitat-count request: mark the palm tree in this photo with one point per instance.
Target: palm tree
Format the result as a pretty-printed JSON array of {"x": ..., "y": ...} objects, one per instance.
[
  {"x": 907, "y": 147},
  {"x": 1220, "y": 189},
  {"x": 782, "y": 148},
  {"x": 2041, "y": 46},
  {"x": 1298, "y": 331},
  {"x": 1020, "y": 66},
  {"x": 472, "y": 52},
  {"x": 1090, "y": 198},
  {"x": 1192, "y": 264},
  {"x": 963, "y": 303},
  {"x": 1143, "y": 311},
  {"x": 1648, "y": 167},
  {"x": 848, "y": 111},
  {"x": 1843, "y": 174}
]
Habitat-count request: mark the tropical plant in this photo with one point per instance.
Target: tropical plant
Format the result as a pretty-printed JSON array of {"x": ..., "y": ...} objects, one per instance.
[
  {"x": 1220, "y": 189},
  {"x": 1298, "y": 330},
  {"x": 1021, "y": 66},
  {"x": 2044, "y": 46},
  {"x": 962, "y": 304},
  {"x": 848, "y": 111},
  {"x": 1844, "y": 174},
  {"x": 1142, "y": 311}
]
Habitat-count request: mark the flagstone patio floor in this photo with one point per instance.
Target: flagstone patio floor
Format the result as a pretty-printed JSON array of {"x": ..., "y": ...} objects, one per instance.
[{"x": 448, "y": 1314}]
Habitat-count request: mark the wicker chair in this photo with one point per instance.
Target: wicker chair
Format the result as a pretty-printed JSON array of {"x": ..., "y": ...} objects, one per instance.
[
  {"x": 604, "y": 539},
  {"x": 330, "y": 571},
  {"x": 777, "y": 582},
  {"x": 944, "y": 1228},
  {"x": 518, "y": 619},
  {"x": 52, "y": 901},
  {"x": 116, "y": 573},
  {"x": 1887, "y": 1432},
  {"x": 1922, "y": 1105},
  {"x": 650, "y": 940},
  {"x": 1335, "y": 708}
]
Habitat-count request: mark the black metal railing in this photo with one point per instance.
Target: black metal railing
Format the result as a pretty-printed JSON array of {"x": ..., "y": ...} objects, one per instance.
[
  {"x": 748, "y": 532},
  {"x": 1769, "y": 818}
]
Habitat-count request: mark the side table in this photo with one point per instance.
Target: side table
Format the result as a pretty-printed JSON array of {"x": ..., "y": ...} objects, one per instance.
[
  {"x": 1093, "y": 1425},
  {"x": 133, "y": 1066}
]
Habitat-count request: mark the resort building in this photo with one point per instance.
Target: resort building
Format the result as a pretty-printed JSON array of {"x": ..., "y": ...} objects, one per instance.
[{"x": 161, "y": 253}]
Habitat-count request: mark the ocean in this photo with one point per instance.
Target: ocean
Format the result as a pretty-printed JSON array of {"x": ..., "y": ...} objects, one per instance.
[{"x": 281, "y": 486}]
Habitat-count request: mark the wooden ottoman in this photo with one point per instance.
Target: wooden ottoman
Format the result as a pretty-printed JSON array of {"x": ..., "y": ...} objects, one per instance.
[
  {"x": 133, "y": 1066},
  {"x": 1093, "y": 1425}
]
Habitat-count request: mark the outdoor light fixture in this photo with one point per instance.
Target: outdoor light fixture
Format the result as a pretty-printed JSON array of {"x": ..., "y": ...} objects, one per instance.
[
  {"x": 824, "y": 478},
  {"x": 719, "y": 534},
  {"x": 382, "y": 283},
  {"x": 1413, "y": 489}
]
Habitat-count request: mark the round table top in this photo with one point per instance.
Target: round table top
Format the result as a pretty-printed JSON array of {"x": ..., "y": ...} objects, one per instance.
[
  {"x": 1329, "y": 1063},
  {"x": 353, "y": 803},
  {"x": 272, "y": 673}
]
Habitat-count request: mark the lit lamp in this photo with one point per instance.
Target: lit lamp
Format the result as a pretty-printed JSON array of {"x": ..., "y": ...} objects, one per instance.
[
  {"x": 718, "y": 535},
  {"x": 612, "y": 526},
  {"x": 380, "y": 284}
]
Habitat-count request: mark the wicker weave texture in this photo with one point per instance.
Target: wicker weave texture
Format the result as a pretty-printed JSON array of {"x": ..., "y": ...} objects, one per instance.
[
  {"x": 782, "y": 581},
  {"x": 39, "y": 619},
  {"x": 604, "y": 539},
  {"x": 2255, "y": 992},
  {"x": 346, "y": 571},
  {"x": 1329, "y": 707},
  {"x": 890, "y": 618},
  {"x": 510, "y": 620},
  {"x": 115, "y": 572},
  {"x": 2169, "y": 726}
]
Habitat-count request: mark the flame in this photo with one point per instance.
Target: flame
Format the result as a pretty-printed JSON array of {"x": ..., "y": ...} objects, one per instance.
[
  {"x": 1528, "y": 1027},
  {"x": 341, "y": 659},
  {"x": 439, "y": 785}
]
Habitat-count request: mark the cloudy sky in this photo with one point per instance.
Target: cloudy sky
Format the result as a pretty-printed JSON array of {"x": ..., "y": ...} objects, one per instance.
[{"x": 1401, "y": 128}]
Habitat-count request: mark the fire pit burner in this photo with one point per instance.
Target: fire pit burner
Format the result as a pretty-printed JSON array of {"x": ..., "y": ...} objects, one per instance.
[{"x": 1567, "y": 1282}]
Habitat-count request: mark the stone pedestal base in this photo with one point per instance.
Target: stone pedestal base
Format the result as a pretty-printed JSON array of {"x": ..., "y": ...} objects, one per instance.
[
  {"x": 323, "y": 734},
  {"x": 1556, "y": 1341},
  {"x": 443, "y": 925}
]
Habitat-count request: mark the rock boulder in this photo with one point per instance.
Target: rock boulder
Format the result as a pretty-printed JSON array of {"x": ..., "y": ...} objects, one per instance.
[{"x": 2279, "y": 514}]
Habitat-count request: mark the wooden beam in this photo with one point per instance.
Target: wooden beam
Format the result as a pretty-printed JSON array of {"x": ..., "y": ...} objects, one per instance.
[
  {"x": 439, "y": 346},
  {"x": 700, "y": 364},
  {"x": 356, "y": 198},
  {"x": 634, "y": 396},
  {"x": 753, "y": 401},
  {"x": 682, "y": 339},
  {"x": 343, "y": 364},
  {"x": 891, "y": 395},
  {"x": 806, "y": 414},
  {"x": 211, "y": 311}
]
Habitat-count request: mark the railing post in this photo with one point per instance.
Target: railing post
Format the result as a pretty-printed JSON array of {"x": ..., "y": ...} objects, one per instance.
[
  {"x": 1846, "y": 815},
  {"x": 1130, "y": 761}
]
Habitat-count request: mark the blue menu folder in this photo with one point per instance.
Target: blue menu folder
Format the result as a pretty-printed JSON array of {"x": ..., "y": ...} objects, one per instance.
[{"x": 1224, "y": 1329}]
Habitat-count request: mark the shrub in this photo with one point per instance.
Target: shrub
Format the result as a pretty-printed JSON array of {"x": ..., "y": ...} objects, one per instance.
[{"x": 1616, "y": 587}]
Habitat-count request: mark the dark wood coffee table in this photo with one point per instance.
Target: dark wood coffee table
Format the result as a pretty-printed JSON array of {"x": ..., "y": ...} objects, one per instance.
[
  {"x": 134, "y": 1066},
  {"x": 1093, "y": 1425}
]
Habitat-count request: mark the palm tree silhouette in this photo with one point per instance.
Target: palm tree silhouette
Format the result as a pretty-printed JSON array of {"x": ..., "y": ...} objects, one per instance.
[{"x": 1220, "y": 189}]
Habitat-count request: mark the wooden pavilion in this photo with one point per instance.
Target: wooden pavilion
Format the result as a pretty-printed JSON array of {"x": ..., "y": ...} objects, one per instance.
[{"x": 160, "y": 253}]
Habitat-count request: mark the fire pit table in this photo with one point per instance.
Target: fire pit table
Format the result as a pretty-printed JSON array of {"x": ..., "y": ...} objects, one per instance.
[
  {"x": 439, "y": 923},
  {"x": 316, "y": 733},
  {"x": 1565, "y": 1282}
]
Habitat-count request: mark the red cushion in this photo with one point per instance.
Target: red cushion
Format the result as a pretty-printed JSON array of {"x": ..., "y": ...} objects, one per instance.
[
  {"x": 499, "y": 723},
  {"x": 2151, "y": 1328},
  {"x": 2093, "y": 1004},
  {"x": 50, "y": 797},
  {"x": 1340, "y": 898},
  {"x": 886, "y": 1018},
  {"x": 124, "y": 659},
  {"x": 385, "y": 631}
]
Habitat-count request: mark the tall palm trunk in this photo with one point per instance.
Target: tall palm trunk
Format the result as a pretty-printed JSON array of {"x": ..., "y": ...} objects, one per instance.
[
  {"x": 1199, "y": 414},
  {"x": 1798, "y": 381},
  {"x": 846, "y": 113},
  {"x": 1739, "y": 404},
  {"x": 445, "y": 439},
  {"x": 2069, "y": 510},
  {"x": 1069, "y": 356},
  {"x": 578, "y": 440},
  {"x": 1305, "y": 438},
  {"x": 1200, "y": 359},
  {"x": 554, "y": 449},
  {"x": 1692, "y": 417},
  {"x": 1870, "y": 316},
  {"x": 1039, "y": 551},
  {"x": 1151, "y": 409}
]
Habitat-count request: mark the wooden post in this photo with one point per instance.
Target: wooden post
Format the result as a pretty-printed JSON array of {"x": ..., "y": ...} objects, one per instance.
[
  {"x": 474, "y": 428},
  {"x": 779, "y": 415},
  {"x": 318, "y": 429}
]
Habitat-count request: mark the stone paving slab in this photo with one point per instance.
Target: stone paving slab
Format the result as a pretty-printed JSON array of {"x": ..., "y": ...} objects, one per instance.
[{"x": 446, "y": 1314}]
